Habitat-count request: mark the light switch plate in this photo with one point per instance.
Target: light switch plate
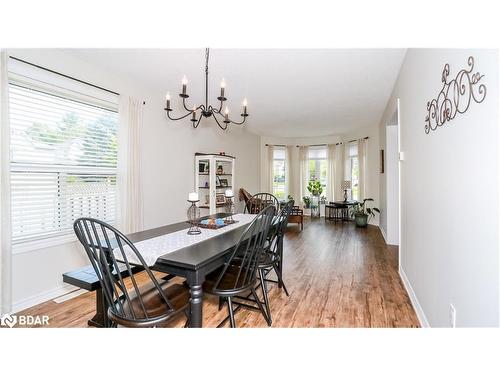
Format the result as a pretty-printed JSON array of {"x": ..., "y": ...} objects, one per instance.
[{"x": 401, "y": 156}]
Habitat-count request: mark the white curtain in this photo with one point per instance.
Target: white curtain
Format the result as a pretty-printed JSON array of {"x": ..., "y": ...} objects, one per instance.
[
  {"x": 270, "y": 161},
  {"x": 338, "y": 174},
  {"x": 362, "y": 147},
  {"x": 5, "y": 231},
  {"x": 289, "y": 173},
  {"x": 130, "y": 199},
  {"x": 304, "y": 171},
  {"x": 330, "y": 174}
]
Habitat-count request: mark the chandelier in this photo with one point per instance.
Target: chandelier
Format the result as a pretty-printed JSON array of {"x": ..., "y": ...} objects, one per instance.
[{"x": 206, "y": 110}]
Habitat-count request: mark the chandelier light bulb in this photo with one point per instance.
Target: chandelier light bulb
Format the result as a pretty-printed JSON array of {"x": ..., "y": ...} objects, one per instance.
[
  {"x": 194, "y": 114},
  {"x": 184, "y": 84},
  {"x": 222, "y": 88},
  {"x": 226, "y": 111},
  {"x": 245, "y": 107},
  {"x": 167, "y": 97}
]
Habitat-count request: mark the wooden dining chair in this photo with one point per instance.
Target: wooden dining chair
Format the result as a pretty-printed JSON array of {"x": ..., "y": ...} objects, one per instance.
[
  {"x": 239, "y": 273},
  {"x": 260, "y": 201},
  {"x": 271, "y": 259},
  {"x": 152, "y": 303}
]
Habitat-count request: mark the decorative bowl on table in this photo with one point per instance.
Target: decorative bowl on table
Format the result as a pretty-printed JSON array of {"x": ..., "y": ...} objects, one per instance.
[{"x": 215, "y": 223}]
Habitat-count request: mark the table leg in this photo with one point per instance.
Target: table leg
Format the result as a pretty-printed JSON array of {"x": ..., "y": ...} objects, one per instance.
[
  {"x": 196, "y": 301},
  {"x": 280, "y": 263},
  {"x": 100, "y": 319}
]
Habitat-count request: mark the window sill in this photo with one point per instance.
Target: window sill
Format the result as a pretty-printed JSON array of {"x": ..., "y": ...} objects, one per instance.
[{"x": 43, "y": 243}]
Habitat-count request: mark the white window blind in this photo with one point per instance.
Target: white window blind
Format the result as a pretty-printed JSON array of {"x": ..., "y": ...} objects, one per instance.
[{"x": 63, "y": 161}]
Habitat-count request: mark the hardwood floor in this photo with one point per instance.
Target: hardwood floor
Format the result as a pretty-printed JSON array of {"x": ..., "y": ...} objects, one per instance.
[{"x": 337, "y": 275}]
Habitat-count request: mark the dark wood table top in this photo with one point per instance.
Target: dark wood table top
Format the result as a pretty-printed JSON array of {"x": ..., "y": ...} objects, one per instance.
[
  {"x": 341, "y": 203},
  {"x": 197, "y": 255}
]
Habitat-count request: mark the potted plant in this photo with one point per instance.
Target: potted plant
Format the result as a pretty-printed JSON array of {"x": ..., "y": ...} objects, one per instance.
[
  {"x": 362, "y": 213},
  {"x": 315, "y": 189},
  {"x": 307, "y": 202}
]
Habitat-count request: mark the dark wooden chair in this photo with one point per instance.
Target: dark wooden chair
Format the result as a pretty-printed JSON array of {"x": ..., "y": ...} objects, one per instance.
[
  {"x": 260, "y": 201},
  {"x": 239, "y": 273},
  {"x": 150, "y": 305},
  {"x": 272, "y": 256}
]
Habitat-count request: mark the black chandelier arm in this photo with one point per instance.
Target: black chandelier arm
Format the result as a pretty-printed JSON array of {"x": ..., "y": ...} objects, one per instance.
[
  {"x": 232, "y": 122},
  {"x": 202, "y": 107},
  {"x": 178, "y": 118},
  {"x": 214, "y": 110},
  {"x": 218, "y": 123},
  {"x": 239, "y": 123},
  {"x": 198, "y": 122}
]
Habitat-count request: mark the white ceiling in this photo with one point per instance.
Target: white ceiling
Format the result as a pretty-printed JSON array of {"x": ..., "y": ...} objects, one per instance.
[{"x": 290, "y": 92}]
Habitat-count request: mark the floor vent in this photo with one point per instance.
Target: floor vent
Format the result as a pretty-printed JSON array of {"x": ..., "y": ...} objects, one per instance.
[{"x": 69, "y": 296}]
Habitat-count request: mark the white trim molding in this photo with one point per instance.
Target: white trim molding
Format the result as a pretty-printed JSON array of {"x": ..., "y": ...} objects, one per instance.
[
  {"x": 383, "y": 234},
  {"x": 41, "y": 297},
  {"x": 414, "y": 300}
]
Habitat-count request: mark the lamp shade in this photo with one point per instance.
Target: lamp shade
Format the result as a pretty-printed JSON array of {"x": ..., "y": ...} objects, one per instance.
[{"x": 346, "y": 184}]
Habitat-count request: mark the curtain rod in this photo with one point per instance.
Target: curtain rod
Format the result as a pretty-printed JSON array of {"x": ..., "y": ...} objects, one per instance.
[
  {"x": 63, "y": 75},
  {"x": 322, "y": 144}
]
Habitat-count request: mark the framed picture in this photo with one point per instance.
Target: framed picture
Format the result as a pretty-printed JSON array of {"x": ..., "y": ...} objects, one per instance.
[
  {"x": 223, "y": 182},
  {"x": 381, "y": 161},
  {"x": 220, "y": 198},
  {"x": 217, "y": 181}
]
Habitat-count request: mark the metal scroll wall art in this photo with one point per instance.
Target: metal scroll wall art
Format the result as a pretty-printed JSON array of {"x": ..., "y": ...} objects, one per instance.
[{"x": 455, "y": 96}]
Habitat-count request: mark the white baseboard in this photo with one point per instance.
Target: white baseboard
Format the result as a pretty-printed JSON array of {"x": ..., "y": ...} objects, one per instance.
[
  {"x": 414, "y": 300},
  {"x": 42, "y": 297},
  {"x": 383, "y": 234}
]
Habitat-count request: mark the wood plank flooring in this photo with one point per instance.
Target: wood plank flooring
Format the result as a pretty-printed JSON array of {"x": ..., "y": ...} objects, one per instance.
[{"x": 337, "y": 275}]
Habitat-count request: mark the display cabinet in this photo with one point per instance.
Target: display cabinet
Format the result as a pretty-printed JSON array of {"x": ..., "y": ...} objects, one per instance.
[{"x": 214, "y": 174}]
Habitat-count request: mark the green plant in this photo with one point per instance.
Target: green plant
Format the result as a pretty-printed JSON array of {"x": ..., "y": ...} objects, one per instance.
[
  {"x": 361, "y": 209},
  {"x": 307, "y": 201},
  {"x": 290, "y": 198},
  {"x": 315, "y": 187}
]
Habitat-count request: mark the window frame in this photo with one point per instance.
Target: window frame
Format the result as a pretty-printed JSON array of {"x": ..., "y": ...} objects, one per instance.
[
  {"x": 349, "y": 168},
  {"x": 317, "y": 168},
  {"x": 285, "y": 182},
  {"x": 48, "y": 83}
]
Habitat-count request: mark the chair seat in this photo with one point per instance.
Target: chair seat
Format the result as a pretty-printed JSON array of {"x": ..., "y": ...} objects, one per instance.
[
  {"x": 226, "y": 286},
  {"x": 268, "y": 259},
  {"x": 156, "y": 308}
]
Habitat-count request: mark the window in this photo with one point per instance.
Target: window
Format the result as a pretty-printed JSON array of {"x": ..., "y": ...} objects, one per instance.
[
  {"x": 352, "y": 170},
  {"x": 318, "y": 165},
  {"x": 279, "y": 174},
  {"x": 63, "y": 161}
]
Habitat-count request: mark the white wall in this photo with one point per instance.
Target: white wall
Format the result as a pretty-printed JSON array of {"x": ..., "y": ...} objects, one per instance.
[
  {"x": 372, "y": 170},
  {"x": 449, "y": 193},
  {"x": 391, "y": 213},
  {"x": 167, "y": 172}
]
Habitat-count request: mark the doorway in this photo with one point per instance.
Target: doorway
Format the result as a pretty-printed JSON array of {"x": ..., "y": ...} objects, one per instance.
[{"x": 392, "y": 176}]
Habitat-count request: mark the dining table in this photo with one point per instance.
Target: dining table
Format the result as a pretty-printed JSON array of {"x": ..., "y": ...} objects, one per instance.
[{"x": 169, "y": 249}]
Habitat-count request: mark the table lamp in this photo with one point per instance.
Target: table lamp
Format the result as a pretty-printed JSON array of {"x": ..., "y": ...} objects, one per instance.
[{"x": 346, "y": 185}]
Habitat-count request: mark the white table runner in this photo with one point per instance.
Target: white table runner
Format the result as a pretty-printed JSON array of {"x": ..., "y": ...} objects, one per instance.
[{"x": 153, "y": 248}]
